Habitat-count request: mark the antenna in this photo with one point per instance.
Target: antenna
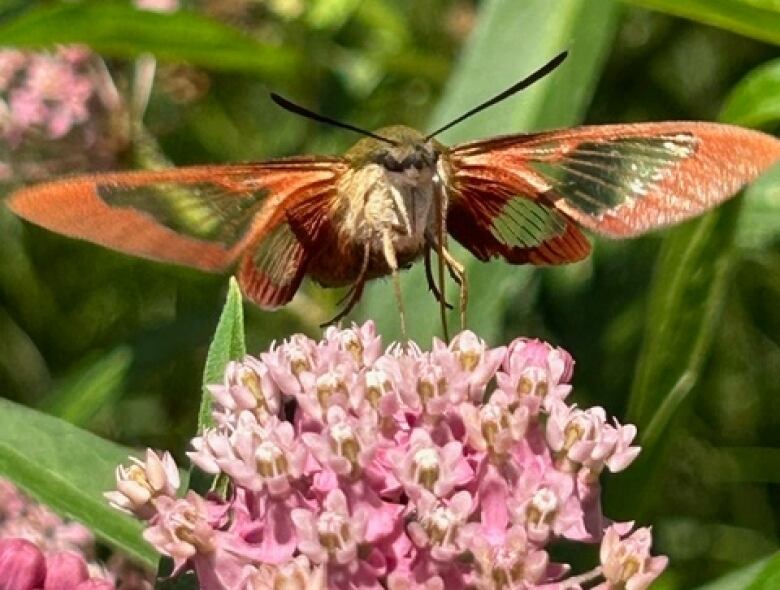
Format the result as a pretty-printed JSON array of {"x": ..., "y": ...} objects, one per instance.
[
  {"x": 521, "y": 85},
  {"x": 304, "y": 112}
]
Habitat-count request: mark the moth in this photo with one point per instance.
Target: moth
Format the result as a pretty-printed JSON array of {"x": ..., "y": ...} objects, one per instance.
[{"x": 398, "y": 194}]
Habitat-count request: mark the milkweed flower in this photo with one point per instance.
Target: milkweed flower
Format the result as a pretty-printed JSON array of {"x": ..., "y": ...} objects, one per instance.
[
  {"x": 141, "y": 482},
  {"x": 354, "y": 467},
  {"x": 627, "y": 562},
  {"x": 59, "y": 111}
]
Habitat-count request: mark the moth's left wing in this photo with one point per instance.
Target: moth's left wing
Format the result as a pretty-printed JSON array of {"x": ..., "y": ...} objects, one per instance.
[
  {"x": 200, "y": 216},
  {"x": 268, "y": 214},
  {"x": 617, "y": 180}
]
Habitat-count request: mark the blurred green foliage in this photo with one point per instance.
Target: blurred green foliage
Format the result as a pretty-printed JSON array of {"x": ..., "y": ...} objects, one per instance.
[{"x": 683, "y": 324}]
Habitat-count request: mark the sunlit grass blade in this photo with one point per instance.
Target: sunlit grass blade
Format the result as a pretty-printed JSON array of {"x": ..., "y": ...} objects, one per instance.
[
  {"x": 511, "y": 39},
  {"x": 68, "y": 469},
  {"x": 117, "y": 29},
  {"x": 759, "y": 19}
]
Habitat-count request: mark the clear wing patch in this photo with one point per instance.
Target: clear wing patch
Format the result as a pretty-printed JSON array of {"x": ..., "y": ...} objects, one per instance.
[
  {"x": 524, "y": 223},
  {"x": 204, "y": 211},
  {"x": 596, "y": 176}
]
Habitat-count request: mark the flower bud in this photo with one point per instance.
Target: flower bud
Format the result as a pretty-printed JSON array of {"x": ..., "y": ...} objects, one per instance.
[
  {"x": 22, "y": 566},
  {"x": 64, "y": 571}
]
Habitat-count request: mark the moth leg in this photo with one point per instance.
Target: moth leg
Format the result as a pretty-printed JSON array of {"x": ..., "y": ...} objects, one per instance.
[
  {"x": 439, "y": 242},
  {"x": 392, "y": 263},
  {"x": 429, "y": 277},
  {"x": 458, "y": 273},
  {"x": 356, "y": 290}
]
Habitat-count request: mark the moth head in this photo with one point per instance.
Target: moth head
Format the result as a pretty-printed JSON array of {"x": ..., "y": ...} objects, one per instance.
[{"x": 409, "y": 155}]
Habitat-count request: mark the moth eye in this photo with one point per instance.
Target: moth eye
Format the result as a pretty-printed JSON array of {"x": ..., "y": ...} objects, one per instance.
[
  {"x": 417, "y": 160},
  {"x": 390, "y": 163}
]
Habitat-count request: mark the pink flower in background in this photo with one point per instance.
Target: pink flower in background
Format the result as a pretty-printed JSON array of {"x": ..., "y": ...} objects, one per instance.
[
  {"x": 23, "y": 566},
  {"x": 59, "y": 112},
  {"x": 355, "y": 468},
  {"x": 52, "y": 93},
  {"x": 39, "y": 550}
]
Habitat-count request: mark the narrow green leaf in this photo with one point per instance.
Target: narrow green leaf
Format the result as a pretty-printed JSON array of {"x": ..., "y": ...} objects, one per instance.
[
  {"x": 68, "y": 469},
  {"x": 759, "y": 19},
  {"x": 118, "y": 29},
  {"x": 511, "y": 39},
  {"x": 228, "y": 345},
  {"x": 91, "y": 388},
  {"x": 755, "y": 101},
  {"x": 761, "y": 575}
]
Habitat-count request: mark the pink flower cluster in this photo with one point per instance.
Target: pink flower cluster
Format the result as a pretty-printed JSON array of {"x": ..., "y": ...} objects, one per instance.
[
  {"x": 59, "y": 112},
  {"x": 22, "y": 518},
  {"x": 49, "y": 92},
  {"x": 39, "y": 550},
  {"x": 354, "y": 467}
]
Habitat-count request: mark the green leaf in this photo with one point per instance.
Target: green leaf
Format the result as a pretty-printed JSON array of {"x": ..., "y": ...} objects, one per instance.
[
  {"x": 761, "y": 575},
  {"x": 511, "y": 39},
  {"x": 228, "y": 345},
  {"x": 755, "y": 101},
  {"x": 117, "y": 29},
  {"x": 68, "y": 469},
  {"x": 759, "y": 19},
  {"x": 90, "y": 389}
]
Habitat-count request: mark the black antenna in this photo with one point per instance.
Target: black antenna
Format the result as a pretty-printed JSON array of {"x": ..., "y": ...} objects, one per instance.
[
  {"x": 304, "y": 112},
  {"x": 521, "y": 85}
]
